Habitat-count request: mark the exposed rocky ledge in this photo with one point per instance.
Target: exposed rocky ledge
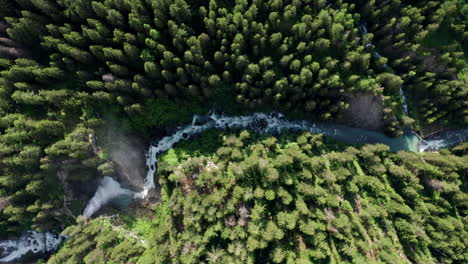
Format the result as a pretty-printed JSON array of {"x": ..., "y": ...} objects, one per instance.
[
  {"x": 4, "y": 202},
  {"x": 365, "y": 111}
]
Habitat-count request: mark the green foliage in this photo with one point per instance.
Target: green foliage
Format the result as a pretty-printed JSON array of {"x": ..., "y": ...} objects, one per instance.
[
  {"x": 39, "y": 137},
  {"x": 68, "y": 67},
  {"x": 164, "y": 112},
  {"x": 235, "y": 56},
  {"x": 307, "y": 59},
  {"x": 425, "y": 43},
  {"x": 353, "y": 205},
  {"x": 98, "y": 241},
  {"x": 204, "y": 144}
]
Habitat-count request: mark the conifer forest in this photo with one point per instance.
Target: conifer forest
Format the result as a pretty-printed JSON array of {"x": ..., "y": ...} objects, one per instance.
[{"x": 233, "y": 131}]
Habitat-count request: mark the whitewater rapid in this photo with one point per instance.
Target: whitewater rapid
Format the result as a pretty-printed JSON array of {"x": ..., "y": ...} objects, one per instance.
[
  {"x": 29, "y": 245},
  {"x": 444, "y": 139},
  {"x": 270, "y": 123}
]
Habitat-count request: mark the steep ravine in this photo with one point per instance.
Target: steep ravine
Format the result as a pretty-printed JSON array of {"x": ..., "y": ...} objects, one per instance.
[{"x": 270, "y": 123}]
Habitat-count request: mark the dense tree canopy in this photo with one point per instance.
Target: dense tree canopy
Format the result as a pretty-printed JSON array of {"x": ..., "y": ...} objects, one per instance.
[
  {"x": 99, "y": 241},
  {"x": 425, "y": 43},
  {"x": 71, "y": 70},
  {"x": 260, "y": 199},
  {"x": 307, "y": 58}
]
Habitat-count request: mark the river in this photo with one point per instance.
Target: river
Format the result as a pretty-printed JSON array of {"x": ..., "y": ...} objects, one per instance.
[{"x": 270, "y": 123}]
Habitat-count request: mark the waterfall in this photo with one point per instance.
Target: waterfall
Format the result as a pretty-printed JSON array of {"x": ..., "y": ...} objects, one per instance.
[
  {"x": 404, "y": 104},
  {"x": 108, "y": 190},
  {"x": 444, "y": 139},
  {"x": 29, "y": 245},
  {"x": 167, "y": 143}
]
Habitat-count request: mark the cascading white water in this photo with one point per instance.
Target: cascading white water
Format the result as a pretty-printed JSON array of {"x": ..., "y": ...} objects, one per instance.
[
  {"x": 30, "y": 244},
  {"x": 432, "y": 144},
  {"x": 108, "y": 189},
  {"x": 404, "y": 105},
  {"x": 274, "y": 123},
  {"x": 444, "y": 139}
]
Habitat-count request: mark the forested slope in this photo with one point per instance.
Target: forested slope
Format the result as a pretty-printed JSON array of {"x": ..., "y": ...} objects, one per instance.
[
  {"x": 261, "y": 199},
  {"x": 425, "y": 43},
  {"x": 101, "y": 240},
  {"x": 306, "y": 58},
  {"x": 71, "y": 68}
]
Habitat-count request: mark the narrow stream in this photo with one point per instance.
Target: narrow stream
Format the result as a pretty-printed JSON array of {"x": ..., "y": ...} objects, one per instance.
[
  {"x": 377, "y": 55},
  {"x": 270, "y": 123},
  {"x": 404, "y": 105}
]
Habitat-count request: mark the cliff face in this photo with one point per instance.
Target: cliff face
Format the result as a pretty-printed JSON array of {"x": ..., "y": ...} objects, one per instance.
[
  {"x": 128, "y": 156},
  {"x": 365, "y": 111},
  {"x": 4, "y": 202}
]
